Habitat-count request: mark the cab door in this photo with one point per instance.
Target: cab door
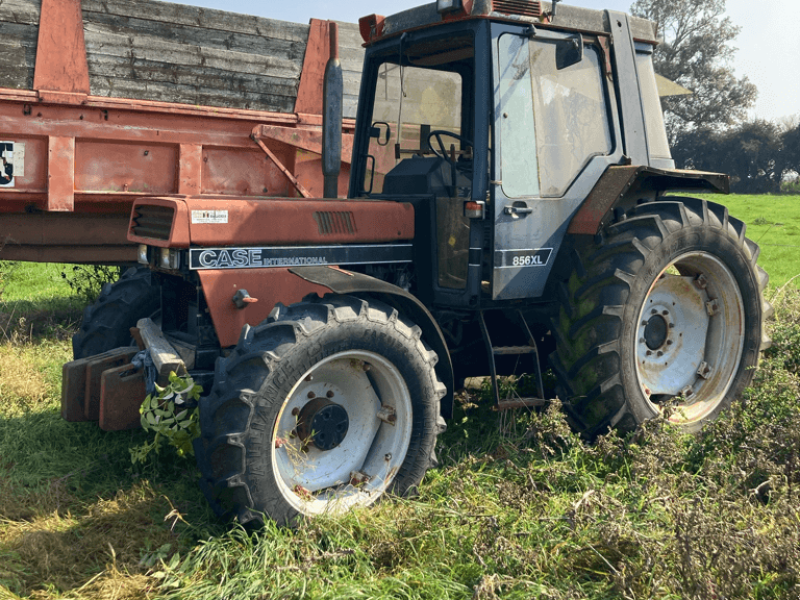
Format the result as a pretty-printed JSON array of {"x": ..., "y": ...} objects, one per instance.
[{"x": 554, "y": 136}]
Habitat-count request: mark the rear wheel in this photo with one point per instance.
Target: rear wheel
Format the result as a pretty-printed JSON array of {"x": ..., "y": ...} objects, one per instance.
[
  {"x": 326, "y": 406},
  {"x": 106, "y": 323},
  {"x": 663, "y": 314}
]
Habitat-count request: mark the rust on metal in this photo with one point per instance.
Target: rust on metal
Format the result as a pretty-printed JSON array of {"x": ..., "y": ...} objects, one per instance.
[
  {"x": 95, "y": 366},
  {"x": 73, "y": 390},
  {"x": 122, "y": 390},
  {"x": 387, "y": 414},
  {"x": 287, "y": 173},
  {"x": 302, "y": 138},
  {"x": 309, "y": 92},
  {"x": 80, "y": 383},
  {"x": 247, "y": 224},
  {"x": 620, "y": 182},
  {"x": 268, "y": 285},
  {"x": 190, "y": 169},
  {"x": 614, "y": 182},
  {"x": 62, "y": 72},
  {"x": 61, "y": 174}
]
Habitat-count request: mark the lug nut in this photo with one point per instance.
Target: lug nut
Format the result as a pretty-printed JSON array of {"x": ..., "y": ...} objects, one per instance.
[
  {"x": 653, "y": 311},
  {"x": 642, "y": 340},
  {"x": 672, "y": 325},
  {"x": 329, "y": 394},
  {"x": 388, "y": 457},
  {"x": 295, "y": 411},
  {"x": 665, "y": 313},
  {"x": 669, "y": 342},
  {"x": 701, "y": 281},
  {"x": 659, "y": 353},
  {"x": 648, "y": 353}
]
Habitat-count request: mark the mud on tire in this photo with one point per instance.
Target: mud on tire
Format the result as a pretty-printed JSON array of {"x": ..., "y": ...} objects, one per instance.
[
  {"x": 106, "y": 323},
  {"x": 664, "y": 308},
  {"x": 341, "y": 354}
]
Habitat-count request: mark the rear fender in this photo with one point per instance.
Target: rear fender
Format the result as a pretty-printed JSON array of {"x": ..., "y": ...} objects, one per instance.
[{"x": 623, "y": 186}]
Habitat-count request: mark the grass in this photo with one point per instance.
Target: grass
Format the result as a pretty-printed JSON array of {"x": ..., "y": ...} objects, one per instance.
[
  {"x": 520, "y": 507},
  {"x": 773, "y": 222}
]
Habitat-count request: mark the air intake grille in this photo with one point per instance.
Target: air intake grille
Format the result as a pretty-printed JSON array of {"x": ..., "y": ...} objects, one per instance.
[
  {"x": 330, "y": 222},
  {"x": 524, "y": 8},
  {"x": 153, "y": 221}
]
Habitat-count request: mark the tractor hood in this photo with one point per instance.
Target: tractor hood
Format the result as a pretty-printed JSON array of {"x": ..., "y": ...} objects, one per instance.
[{"x": 193, "y": 221}]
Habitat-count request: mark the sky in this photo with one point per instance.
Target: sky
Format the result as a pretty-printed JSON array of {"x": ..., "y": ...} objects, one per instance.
[{"x": 768, "y": 44}]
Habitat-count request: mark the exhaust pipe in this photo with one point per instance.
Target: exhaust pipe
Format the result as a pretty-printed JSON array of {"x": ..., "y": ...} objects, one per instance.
[{"x": 332, "y": 93}]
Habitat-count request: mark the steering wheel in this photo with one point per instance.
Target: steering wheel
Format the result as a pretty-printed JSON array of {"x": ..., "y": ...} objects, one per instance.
[{"x": 437, "y": 135}]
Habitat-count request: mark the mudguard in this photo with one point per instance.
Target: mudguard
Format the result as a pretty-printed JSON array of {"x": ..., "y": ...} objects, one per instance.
[{"x": 624, "y": 185}]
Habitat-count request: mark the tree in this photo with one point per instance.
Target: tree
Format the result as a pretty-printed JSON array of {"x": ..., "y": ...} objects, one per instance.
[
  {"x": 696, "y": 53},
  {"x": 790, "y": 154},
  {"x": 751, "y": 153}
]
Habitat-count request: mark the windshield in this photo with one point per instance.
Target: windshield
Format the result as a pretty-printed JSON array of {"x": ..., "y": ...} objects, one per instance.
[{"x": 425, "y": 94}]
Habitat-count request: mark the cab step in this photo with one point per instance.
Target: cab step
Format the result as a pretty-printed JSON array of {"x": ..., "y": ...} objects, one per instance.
[{"x": 528, "y": 348}]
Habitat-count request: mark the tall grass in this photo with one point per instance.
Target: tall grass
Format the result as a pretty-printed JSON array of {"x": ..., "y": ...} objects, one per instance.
[{"x": 519, "y": 508}]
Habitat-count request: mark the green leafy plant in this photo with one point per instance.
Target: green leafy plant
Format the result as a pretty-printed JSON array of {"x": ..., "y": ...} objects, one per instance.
[
  {"x": 171, "y": 414},
  {"x": 87, "y": 281}
]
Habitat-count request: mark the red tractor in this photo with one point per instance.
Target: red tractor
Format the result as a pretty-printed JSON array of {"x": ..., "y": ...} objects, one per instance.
[{"x": 512, "y": 206}]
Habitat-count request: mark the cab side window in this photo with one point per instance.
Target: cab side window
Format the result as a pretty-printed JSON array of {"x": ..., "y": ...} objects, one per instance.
[{"x": 552, "y": 122}]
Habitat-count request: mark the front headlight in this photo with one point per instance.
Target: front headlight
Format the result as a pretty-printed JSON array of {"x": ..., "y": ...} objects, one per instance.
[
  {"x": 170, "y": 259},
  {"x": 142, "y": 255}
]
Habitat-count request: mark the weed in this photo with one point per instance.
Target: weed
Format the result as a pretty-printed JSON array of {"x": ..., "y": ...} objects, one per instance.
[
  {"x": 87, "y": 281},
  {"x": 527, "y": 512}
]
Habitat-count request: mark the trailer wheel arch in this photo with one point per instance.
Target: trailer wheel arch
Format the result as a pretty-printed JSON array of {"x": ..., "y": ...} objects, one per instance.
[{"x": 360, "y": 285}]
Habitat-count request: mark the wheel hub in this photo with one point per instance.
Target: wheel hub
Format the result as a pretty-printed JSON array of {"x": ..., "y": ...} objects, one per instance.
[
  {"x": 672, "y": 334},
  {"x": 323, "y": 423},
  {"x": 655, "y": 332}
]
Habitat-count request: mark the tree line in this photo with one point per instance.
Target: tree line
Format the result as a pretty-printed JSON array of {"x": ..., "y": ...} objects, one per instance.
[{"x": 709, "y": 129}]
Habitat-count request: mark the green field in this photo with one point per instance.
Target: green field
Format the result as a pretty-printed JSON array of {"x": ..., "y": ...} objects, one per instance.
[
  {"x": 519, "y": 507},
  {"x": 773, "y": 222}
]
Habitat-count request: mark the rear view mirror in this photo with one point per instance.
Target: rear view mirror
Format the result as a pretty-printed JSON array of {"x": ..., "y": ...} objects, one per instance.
[{"x": 569, "y": 51}]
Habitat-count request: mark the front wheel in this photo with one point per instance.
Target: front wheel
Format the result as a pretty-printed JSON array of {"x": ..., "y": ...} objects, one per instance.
[
  {"x": 327, "y": 405},
  {"x": 106, "y": 324},
  {"x": 663, "y": 315}
]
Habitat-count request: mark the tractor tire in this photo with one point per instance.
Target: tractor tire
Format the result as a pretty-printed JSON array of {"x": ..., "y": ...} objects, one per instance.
[
  {"x": 106, "y": 323},
  {"x": 327, "y": 405},
  {"x": 662, "y": 315}
]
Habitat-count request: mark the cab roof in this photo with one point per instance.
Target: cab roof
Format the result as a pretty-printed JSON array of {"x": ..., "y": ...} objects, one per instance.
[{"x": 376, "y": 27}]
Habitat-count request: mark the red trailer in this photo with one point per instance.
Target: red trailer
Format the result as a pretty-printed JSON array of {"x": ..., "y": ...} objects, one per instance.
[{"x": 103, "y": 102}]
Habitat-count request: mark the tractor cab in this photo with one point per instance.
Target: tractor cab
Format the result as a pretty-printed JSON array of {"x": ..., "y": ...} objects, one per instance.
[{"x": 496, "y": 120}]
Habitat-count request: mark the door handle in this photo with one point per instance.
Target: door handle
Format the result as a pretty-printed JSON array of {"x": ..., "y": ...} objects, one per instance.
[{"x": 517, "y": 209}]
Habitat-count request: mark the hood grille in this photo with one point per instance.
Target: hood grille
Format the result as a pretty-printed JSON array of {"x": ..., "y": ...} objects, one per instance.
[
  {"x": 523, "y": 8},
  {"x": 153, "y": 221},
  {"x": 331, "y": 222}
]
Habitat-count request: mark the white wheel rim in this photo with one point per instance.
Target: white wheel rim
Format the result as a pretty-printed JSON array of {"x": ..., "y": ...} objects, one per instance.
[
  {"x": 370, "y": 389},
  {"x": 697, "y": 301}
]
